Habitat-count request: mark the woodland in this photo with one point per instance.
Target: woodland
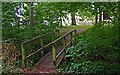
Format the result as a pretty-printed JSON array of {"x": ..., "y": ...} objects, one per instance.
[{"x": 97, "y": 47}]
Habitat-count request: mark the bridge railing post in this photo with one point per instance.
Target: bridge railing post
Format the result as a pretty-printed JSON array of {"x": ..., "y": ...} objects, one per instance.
[
  {"x": 75, "y": 37},
  {"x": 58, "y": 33},
  {"x": 41, "y": 44},
  {"x": 23, "y": 56},
  {"x": 64, "y": 46},
  {"x": 53, "y": 36},
  {"x": 53, "y": 54},
  {"x": 71, "y": 38}
]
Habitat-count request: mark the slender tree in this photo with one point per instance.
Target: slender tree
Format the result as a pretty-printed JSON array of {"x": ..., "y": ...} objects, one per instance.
[
  {"x": 73, "y": 18},
  {"x": 31, "y": 15},
  {"x": 96, "y": 13}
]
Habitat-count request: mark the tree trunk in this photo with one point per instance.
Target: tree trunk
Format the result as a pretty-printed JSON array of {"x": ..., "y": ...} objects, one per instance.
[
  {"x": 100, "y": 19},
  {"x": 31, "y": 15},
  {"x": 105, "y": 15},
  {"x": 96, "y": 15},
  {"x": 96, "y": 18},
  {"x": 100, "y": 12},
  {"x": 60, "y": 21},
  {"x": 73, "y": 18}
]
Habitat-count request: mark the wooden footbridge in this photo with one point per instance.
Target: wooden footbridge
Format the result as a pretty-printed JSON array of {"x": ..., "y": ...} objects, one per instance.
[{"x": 49, "y": 61}]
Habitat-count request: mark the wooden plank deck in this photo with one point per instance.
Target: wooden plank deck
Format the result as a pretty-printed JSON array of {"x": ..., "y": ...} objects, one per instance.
[{"x": 45, "y": 65}]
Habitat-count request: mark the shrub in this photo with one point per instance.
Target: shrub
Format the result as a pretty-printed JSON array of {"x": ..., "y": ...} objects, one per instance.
[{"x": 97, "y": 51}]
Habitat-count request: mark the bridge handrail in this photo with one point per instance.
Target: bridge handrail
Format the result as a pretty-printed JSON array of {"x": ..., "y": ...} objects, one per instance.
[
  {"x": 49, "y": 44},
  {"x": 54, "y": 56},
  {"x": 63, "y": 36},
  {"x": 38, "y": 37}
]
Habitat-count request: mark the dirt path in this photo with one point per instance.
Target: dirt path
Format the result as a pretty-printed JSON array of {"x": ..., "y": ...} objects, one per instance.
[{"x": 45, "y": 65}]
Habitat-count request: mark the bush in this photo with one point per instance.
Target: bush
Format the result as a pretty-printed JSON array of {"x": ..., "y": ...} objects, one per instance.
[
  {"x": 97, "y": 51},
  {"x": 15, "y": 36}
]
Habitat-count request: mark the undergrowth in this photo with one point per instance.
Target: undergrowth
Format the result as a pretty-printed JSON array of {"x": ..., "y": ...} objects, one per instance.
[{"x": 96, "y": 52}]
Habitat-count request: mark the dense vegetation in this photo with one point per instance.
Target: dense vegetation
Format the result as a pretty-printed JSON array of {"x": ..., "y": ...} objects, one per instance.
[{"x": 96, "y": 51}]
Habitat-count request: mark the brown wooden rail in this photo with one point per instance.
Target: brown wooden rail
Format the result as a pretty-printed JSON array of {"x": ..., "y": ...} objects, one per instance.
[{"x": 41, "y": 43}]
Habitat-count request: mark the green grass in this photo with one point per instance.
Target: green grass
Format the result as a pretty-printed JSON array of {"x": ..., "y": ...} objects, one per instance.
[{"x": 65, "y": 29}]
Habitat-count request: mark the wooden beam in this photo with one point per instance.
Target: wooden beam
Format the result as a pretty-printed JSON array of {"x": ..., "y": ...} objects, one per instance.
[
  {"x": 23, "y": 56},
  {"x": 41, "y": 44},
  {"x": 54, "y": 54}
]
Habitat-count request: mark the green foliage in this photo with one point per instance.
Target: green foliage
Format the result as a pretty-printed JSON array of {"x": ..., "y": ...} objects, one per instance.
[
  {"x": 12, "y": 67},
  {"x": 49, "y": 12},
  {"x": 88, "y": 67},
  {"x": 9, "y": 55},
  {"x": 98, "y": 43},
  {"x": 12, "y": 32},
  {"x": 97, "y": 52},
  {"x": 107, "y": 37}
]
